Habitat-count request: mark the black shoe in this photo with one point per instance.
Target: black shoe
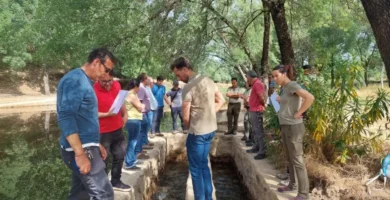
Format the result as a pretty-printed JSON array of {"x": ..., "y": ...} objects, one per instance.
[
  {"x": 234, "y": 133},
  {"x": 228, "y": 133},
  {"x": 253, "y": 150},
  {"x": 121, "y": 187},
  {"x": 249, "y": 143},
  {"x": 260, "y": 156},
  {"x": 243, "y": 138},
  {"x": 134, "y": 167}
]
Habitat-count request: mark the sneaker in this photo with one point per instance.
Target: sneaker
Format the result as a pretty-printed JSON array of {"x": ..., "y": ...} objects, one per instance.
[
  {"x": 284, "y": 182},
  {"x": 152, "y": 135},
  {"x": 249, "y": 143},
  {"x": 132, "y": 168},
  {"x": 228, "y": 133},
  {"x": 160, "y": 134},
  {"x": 143, "y": 156},
  {"x": 121, "y": 187},
  {"x": 283, "y": 176},
  {"x": 174, "y": 132},
  {"x": 243, "y": 138},
  {"x": 253, "y": 150},
  {"x": 285, "y": 189},
  {"x": 260, "y": 156}
]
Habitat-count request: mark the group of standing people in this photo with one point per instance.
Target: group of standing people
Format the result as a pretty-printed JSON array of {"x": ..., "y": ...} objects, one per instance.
[
  {"x": 89, "y": 129},
  {"x": 294, "y": 101}
]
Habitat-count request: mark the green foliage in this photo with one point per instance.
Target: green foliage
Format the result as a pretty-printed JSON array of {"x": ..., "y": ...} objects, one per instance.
[{"x": 339, "y": 119}]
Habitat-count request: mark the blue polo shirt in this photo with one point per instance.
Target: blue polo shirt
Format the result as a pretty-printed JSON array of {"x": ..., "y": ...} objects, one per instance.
[
  {"x": 159, "y": 92},
  {"x": 77, "y": 109}
]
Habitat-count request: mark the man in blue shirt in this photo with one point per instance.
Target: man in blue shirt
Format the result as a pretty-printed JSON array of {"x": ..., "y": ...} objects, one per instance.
[
  {"x": 175, "y": 102},
  {"x": 77, "y": 113},
  {"x": 159, "y": 93}
]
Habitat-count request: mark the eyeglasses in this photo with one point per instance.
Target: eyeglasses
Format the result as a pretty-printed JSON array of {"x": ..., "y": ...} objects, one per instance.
[
  {"x": 106, "y": 69},
  {"x": 106, "y": 82}
]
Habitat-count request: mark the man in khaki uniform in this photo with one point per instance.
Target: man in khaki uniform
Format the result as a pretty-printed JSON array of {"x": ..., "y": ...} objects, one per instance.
[
  {"x": 234, "y": 107},
  {"x": 201, "y": 101}
]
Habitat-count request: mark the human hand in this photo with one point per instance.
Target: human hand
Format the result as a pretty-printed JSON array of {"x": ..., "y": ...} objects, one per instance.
[
  {"x": 83, "y": 163},
  {"x": 110, "y": 113},
  {"x": 298, "y": 115},
  {"x": 124, "y": 120},
  {"x": 103, "y": 152},
  {"x": 278, "y": 99}
]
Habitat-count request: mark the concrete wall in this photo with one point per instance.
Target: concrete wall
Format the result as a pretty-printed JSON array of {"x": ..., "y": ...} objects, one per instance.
[{"x": 258, "y": 176}]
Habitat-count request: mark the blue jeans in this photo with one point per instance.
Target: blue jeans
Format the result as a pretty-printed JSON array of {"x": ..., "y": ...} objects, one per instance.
[
  {"x": 198, "y": 148},
  {"x": 176, "y": 111},
  {"x": 94, "y": 185},
  {"x": 143, "y": 135},
  {"x": 150, "y": 117},
  {"x": 157, "y": 119},
  {"x": 133, "y": 127}
]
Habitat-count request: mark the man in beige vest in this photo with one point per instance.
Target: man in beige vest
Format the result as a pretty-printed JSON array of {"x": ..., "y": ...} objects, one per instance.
[{"x": 201, "y": 101}]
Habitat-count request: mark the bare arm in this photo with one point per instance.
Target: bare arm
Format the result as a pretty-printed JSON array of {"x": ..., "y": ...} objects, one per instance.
[
  {"x": 81, "y": 158},
  {"x": 167, "y": 100},
  {"x": 219, "y": 100},
  {"x": 261, "y": 97},
  {"x": 137, "y": 103},
  {"x": 308, "y": 99},
  {"x": 186, "y": 113},
  {"x": 106, "y": 114}
]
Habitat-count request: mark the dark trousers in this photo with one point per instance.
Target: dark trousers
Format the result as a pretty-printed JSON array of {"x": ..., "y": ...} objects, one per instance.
[
  {"x": 114, "y": 142},
  {"x": 258, "y": 131},
  {"x": 198, "y": 148},
  {"x": 94, "y": 185},
  {"x": 232, "y": 113},
  {"x": 157, "y": 119},
  {"x": 176, "y": 111}
]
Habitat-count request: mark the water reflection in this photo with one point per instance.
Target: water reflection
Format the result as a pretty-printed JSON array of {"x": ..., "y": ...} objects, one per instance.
[
  {"x": 30, "y": 162},
  {"x": 31, "y": 166}
]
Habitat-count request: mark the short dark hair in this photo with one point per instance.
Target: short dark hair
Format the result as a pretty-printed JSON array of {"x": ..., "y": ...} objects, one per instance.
[
  {"x": 142, "y": 77},
  {"x": 180, "y": 63},
  {"x": 160, "y": 78},
  {"x": 234, "y": 79},
  {"x": 102, "y": 54},
  {"x": 133, "y": 83}
]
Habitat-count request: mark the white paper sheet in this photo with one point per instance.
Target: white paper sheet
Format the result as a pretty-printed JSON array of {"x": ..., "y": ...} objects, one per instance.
[
  {"x": 118, "y": 102},
  {"x": 275, "y": 103}
]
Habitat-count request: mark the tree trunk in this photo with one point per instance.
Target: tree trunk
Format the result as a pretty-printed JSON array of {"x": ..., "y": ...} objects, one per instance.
[
  {"x": 281, "y": 27},
  {"x": 47, "y": 125},
  {"x": 378, "y": 13},
  {"x": 265, "y": 67},
  {"x": 46, "y": 82},
  {"x": 242, "y": 73},
  {"x": 366, "y": 74},
  {"x": 382, "y": 72},
  {"x": 332, "y": 84}
]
